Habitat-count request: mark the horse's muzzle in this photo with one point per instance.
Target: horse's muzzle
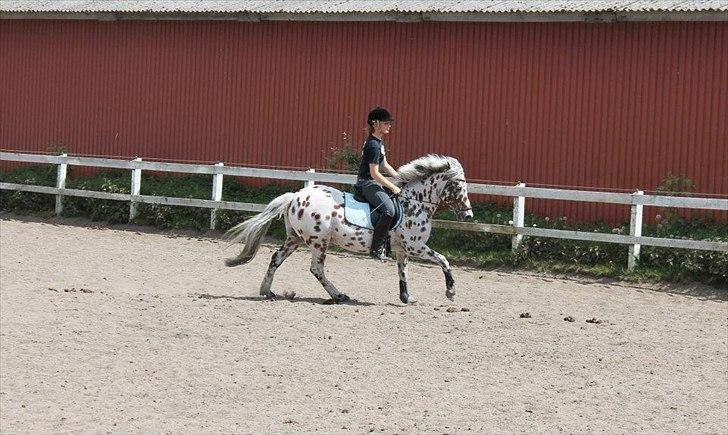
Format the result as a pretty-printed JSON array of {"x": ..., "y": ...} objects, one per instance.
[{"x": 465, "y": 216}]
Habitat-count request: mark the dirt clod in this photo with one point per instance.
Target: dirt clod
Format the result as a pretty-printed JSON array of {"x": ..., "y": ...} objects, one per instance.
[{"x": 594, "y": 320}]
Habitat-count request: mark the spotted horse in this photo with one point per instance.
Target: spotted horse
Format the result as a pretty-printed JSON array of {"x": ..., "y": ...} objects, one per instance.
[{"x": 315, "y": 216}]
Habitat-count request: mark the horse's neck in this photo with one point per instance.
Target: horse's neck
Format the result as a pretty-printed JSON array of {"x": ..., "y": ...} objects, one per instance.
[
  {"x": 425, "y": 193},
  {"x": 431, "y": 188}
]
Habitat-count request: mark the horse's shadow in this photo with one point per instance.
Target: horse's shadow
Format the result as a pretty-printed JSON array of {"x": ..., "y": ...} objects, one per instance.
[{"x": 317, "y": 301}]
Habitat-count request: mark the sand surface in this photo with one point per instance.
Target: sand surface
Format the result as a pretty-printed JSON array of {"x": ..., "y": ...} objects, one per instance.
[{"x": 127, "y": 329}]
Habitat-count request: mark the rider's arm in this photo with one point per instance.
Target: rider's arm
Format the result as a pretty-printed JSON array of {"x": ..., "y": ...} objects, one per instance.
[
  {"x": 378, "y": 177},
  {"x": 393, "y": 172}
]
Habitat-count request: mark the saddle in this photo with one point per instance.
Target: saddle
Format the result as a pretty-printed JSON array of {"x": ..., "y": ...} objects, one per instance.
[{"x": 357, "y": 212}]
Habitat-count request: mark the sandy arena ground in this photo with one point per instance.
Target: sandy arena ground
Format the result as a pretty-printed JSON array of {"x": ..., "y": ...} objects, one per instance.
[{"x": 127, "y": 329}]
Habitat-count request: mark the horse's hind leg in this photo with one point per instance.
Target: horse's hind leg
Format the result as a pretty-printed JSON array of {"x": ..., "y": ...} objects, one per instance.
[
  {"x": 290, "y": 245},
  {"x": 318, "y": 257}
]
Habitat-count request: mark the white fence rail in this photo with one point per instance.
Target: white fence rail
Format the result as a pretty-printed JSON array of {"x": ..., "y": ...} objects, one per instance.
[{"x": 519, "y": 192}]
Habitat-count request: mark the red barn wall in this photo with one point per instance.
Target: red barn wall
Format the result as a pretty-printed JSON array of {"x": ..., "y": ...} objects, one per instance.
[{"x": 615, "y": 106}]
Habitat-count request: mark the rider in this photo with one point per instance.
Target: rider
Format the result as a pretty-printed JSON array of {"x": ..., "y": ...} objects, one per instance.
[{"x": 370, "y": 181}]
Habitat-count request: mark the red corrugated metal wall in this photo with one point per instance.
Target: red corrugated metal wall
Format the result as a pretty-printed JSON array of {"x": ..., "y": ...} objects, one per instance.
[{"x": 574, "y": 104}]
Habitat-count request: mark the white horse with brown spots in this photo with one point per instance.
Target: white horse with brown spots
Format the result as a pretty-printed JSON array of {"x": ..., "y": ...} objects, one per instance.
[{"x": 315, "y": 216}]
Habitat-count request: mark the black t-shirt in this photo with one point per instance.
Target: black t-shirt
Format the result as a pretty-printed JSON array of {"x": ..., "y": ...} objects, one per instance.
[{"x": 371, "y": 152}]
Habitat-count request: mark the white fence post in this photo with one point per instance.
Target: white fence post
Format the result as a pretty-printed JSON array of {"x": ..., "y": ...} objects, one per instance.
[
  {"x": 635, "y": 229},
  {"x": 310, "y": 183},
  {"x": 61, "y": 184},
  {"x": 216, "y": 196},
  {"x": 136, "y": 186},
  {"x": 519, "y": 213}
]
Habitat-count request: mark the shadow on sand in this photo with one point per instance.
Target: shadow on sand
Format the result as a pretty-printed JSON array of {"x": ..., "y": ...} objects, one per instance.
[
  {"x": 718, "y": 292},
  {"x": 317, "y": 301}
]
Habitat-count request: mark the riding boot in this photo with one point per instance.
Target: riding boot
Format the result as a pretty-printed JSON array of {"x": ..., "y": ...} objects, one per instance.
[{"x": 379, "y": 238}]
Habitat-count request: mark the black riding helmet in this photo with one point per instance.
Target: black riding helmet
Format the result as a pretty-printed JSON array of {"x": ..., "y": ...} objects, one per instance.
[{"x": 379, "y": 114}]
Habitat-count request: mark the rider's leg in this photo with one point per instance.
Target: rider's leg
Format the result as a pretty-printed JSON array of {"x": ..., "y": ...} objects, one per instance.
[{"x": 379, "y": 200}]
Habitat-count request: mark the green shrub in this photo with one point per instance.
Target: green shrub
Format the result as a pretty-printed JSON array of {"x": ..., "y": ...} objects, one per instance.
[
  {"x": 26, "y": 202},
  {"x": 344, "y": 156},
  {"x": 99, "y": 209}
]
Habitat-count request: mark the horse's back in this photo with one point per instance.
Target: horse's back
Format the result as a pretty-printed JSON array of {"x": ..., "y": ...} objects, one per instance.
[
  {"x": 317, "y": 215},
  {"x": 320, "y": 195},
  {"x": 313, "y": 208}
]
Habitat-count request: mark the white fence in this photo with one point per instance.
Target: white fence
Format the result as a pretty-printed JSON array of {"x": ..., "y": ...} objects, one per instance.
[{"x": 519, "y": 192}]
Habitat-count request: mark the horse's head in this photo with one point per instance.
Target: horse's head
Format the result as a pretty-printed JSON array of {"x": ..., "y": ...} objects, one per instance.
[
  {"x": 455, "y": 196},
  {"x": 446, "y": 179}
]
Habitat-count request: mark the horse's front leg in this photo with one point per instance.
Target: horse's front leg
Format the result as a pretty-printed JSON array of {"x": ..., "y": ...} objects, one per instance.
[
  {"x": 404, "y": 295},
  {"x": 436, "y": 257}
]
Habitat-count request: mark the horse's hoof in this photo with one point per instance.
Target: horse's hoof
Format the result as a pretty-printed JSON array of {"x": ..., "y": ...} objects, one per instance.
[
  {"x": 450, "y": 295},
  {"x": 407, "y": 299},
  {"x": 271, "y": 296},
  {"x": 337, "y": 300},
  {"x": 410, "y": 301},
  {"x": 289, "y": 295}
]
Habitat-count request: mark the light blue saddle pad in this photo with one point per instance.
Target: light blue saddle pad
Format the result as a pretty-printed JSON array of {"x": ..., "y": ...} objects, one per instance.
[{"x": 359, "y": 213}]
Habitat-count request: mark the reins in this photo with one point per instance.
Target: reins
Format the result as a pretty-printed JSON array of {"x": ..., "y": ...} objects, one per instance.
[
  {"x": 422, "y": 201},
  {"x": 436, "y": 204}
]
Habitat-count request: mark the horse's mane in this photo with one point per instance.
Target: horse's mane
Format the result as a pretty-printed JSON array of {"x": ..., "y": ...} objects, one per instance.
[{"x": 419, "y": 169}]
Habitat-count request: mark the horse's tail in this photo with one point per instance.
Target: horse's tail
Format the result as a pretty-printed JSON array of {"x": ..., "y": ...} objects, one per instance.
[{"x": 252, "y": 230}]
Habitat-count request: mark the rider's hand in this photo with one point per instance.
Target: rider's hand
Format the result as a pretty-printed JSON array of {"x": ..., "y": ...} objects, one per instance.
[{"x": 396, "y": 190}]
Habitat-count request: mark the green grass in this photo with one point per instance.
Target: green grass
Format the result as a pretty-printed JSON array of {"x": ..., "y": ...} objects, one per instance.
[{"x": 482, "y": 250}]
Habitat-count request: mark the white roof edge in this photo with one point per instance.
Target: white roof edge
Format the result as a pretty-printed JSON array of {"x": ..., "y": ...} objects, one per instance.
[
  {"x": 567, "y": 16},
  {"x": 349, "y": 7}
]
